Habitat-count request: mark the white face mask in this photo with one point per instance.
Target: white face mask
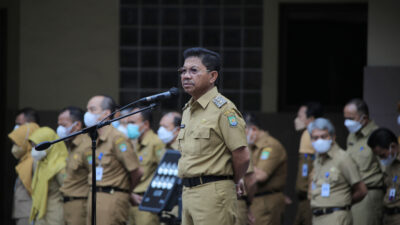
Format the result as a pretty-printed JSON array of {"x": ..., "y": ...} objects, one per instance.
[
  {"x": 389, "y": 160},
  {"x": 16, "y": 126},
  {"x": 91, "y": 119},
  {"x": 398, "y": 120},
  {"x": 123, "y": 129},
  {"x": 62, "y": 131},
  {"x": 299, "y": 124},
  {"x": 322, "y": 145},
  {"x": 165, "y": 135},
  {"x": 38, "y": 155},
  {"x": 352, "y": 125}
]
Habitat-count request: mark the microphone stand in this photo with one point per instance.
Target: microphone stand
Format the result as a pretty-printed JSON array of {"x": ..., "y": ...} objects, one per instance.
[{"x": 92, "y": 131}]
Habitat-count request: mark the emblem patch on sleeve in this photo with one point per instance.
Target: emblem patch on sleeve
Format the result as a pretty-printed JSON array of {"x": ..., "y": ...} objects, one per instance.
[
  {"x": 122, "y": 147},
  {"x": 265, "y": 153},
  {"x": 232, "y": 121}
]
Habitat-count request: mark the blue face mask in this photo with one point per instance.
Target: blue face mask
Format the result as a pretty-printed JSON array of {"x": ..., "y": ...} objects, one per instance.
[
  {"x": 115, "y": 124},
  {"x": 133, "y": 131}
]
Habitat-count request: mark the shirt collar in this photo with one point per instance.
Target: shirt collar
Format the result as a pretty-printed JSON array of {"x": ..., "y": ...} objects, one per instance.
[
  {"x": 205, "y": 98},
  {"x": 367, "y": 130},
  {"x": 261, "y": 137},
  {"x": 147, "y": 137},
  {"x": 105, "y": 132}
]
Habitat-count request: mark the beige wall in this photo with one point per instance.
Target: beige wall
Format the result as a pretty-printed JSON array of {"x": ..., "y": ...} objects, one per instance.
[
  {"x": 68, "y": 52},
  {"x": 384, "y": 33}
]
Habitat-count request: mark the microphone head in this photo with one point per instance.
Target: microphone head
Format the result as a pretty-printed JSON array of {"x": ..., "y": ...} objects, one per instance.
[
  {"x": 174, "y": 91},
  {"x": 43, "y": 146}
]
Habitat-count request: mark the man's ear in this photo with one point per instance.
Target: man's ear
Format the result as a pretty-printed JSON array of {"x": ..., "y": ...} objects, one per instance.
[{"x": 214, "y": 75}]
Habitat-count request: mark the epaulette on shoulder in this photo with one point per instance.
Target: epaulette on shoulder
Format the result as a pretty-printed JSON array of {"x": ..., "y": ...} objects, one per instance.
[{"x": 219, "y": 101}]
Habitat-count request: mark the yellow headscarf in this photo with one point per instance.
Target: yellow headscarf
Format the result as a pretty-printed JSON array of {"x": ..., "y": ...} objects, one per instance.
[
  {"x": 24, "y": 166},
  {"x": 46, "y": 169}
]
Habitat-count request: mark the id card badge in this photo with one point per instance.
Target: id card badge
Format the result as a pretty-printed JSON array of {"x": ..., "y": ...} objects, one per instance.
[
  {"x": 392, "y": 194},
  {"x": 313, "y": 185},
  {"x": 304, "y": 172},
  {"x": 99, "y": 173},
  {"x": 325, "y": 190}
]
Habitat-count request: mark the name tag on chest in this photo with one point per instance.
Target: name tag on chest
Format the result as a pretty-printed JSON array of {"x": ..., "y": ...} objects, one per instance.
[
  {"x": 325, "y": 190},
  {"x": 392, "y": 194},
  {"x": 99, "y": 173}
]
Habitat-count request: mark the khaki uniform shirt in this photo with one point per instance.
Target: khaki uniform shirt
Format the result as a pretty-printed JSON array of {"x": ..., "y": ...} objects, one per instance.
[
  {"x": 211, "y": 128},
  {"x": 338, "y": 170},
  {"x": 365, "y": 159},
  {"x": 391, "y": 182},
  {"x": 306, "y": 162},
  {"x": 76, "y": 180},
  {"x": 269, "y": 155},
  {"x": 174, "y": 145},
  {"x": 150, "y": 151},
  {"x": 119, "y": 159}
]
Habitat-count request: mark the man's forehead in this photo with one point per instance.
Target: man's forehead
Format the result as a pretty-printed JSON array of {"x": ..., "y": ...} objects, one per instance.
[
  {"x": 95, "y": 101},
  {"x": 193, "y": 61}
]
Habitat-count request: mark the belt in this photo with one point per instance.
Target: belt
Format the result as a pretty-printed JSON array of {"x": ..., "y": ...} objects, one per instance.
[
  {"x": 375, "y": 188},
  {"x": 323, "y": 211},
  {"x": 194, "y": 181},
  {"x": 110, "y": 190},
  {"x": 67, "y": 199},
  {"x": 265, "y": 193},
  {"x": 392, "y": 211}
]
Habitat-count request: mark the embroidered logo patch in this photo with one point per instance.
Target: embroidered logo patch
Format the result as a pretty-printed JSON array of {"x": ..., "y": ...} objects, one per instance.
[
  {"x": 89, "y": 159},
  {"x": 122, "y": 147},
  {"x": 361, "y": 148},
  {"x": 264, "y": 155},
  {"x": 232, "y": 121}
]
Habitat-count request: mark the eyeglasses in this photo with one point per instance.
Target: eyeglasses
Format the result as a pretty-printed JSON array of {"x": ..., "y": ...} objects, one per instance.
[{"x": 191, "y": 71}]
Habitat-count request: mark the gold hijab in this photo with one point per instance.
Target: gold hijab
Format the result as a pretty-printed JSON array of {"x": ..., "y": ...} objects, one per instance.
[
  {"x": 46, "y": 169},
  {"x": 24, "y": 166}
]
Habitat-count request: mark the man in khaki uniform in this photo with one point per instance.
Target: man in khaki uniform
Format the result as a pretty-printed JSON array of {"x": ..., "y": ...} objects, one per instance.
[
  {"x": 170, "y": 125},
  {"x": 383, "y": 143},
  {"x": 336, "y": 182},
  {"x": 75, "y": 187},
  {"x": 306, "y": 114},
  {"x": 149, "y": 149},
  {"x": 212, "y": 142},
  {"x": 357, "y": 121},
  {"x": 270, "y": 161},
  {"x": 117, "y": 166}
]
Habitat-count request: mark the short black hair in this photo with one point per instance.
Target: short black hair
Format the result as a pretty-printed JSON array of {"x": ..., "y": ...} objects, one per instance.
[
  {"x": 75, "y": 113},
  {"x": 108, "y": 103},
  {"x": 314, "y": 109},
  {"x": 361, "y": 105},
  {"x": 381, "y": 137},
  {"x": 30, "y": 114},
  {"x": 177, "y": 121},
  {"x": 210, "y": 59},
  {"x": 147, "y": 115},
  {"x": 251, "y": 119}
]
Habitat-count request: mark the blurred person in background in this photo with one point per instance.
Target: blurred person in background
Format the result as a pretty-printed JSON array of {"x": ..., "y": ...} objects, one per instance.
[
  {"x": 47, "y": 205},
  {"x": 360, "y": 126},
  {"x": 21, "y": 150},
  {"x": 306, "y": 114}
]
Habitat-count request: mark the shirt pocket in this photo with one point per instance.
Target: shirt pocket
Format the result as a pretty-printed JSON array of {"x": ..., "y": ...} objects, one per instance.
[
  {"x": 106, "y": 159},
  {"x": 180, "y": 139},
  {"x": 201, "y": 141}
]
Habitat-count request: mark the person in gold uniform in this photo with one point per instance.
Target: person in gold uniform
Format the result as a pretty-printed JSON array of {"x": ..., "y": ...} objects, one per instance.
[{"x": 212, "y": 142}]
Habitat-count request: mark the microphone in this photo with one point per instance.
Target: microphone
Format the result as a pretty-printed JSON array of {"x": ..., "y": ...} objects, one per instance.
[
  {"x": 168, "y": 94},
  {"x": 43, "y": 146}
]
